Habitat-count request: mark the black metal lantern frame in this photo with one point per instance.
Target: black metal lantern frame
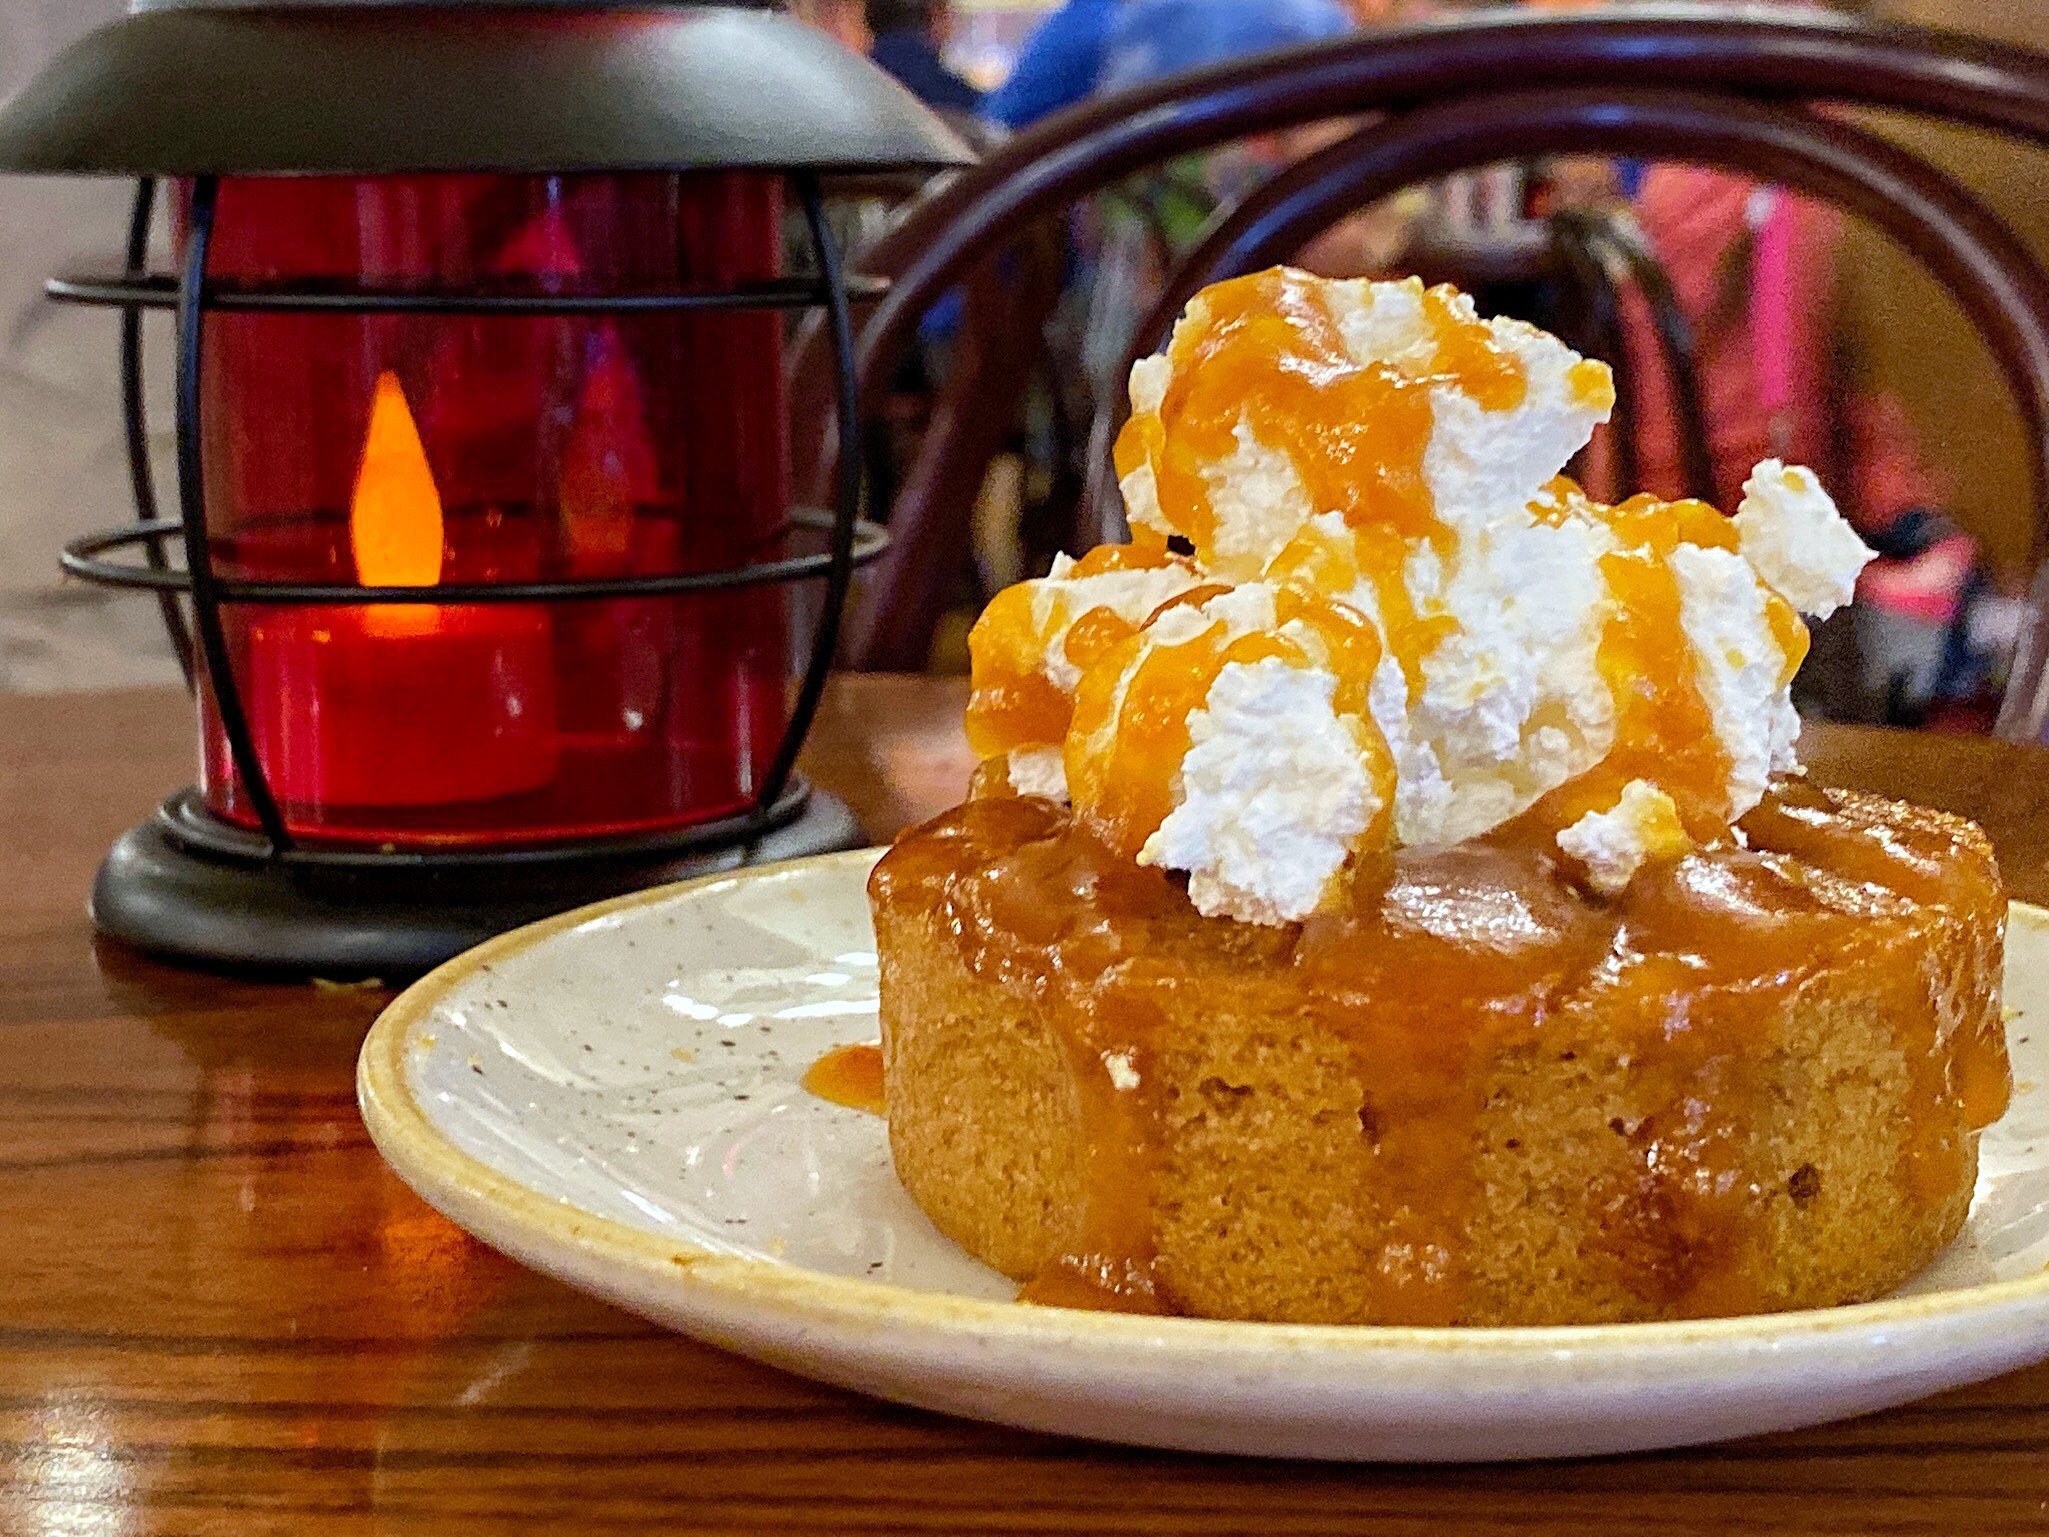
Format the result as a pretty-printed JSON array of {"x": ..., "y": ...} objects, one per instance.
[
  {"x": 202, "y": 90},
  {"x": 201, "y": 642}
]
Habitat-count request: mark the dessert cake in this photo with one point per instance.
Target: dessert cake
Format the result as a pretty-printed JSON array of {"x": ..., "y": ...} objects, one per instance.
[{"x": 1389, "y": 895}]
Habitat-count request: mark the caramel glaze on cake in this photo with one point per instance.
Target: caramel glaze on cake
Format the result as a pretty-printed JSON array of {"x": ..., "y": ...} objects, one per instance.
[{"x": 1470, "y": 1094}]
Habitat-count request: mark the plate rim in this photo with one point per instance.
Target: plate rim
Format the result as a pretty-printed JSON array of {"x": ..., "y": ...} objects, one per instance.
[{"x": 432, "y": 1165}]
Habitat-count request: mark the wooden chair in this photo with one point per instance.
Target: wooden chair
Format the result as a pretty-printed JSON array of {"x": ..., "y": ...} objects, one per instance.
[{"x": 1739, "y": 89}]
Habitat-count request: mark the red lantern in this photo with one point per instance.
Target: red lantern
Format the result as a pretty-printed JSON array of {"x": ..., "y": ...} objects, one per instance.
[{"x": 483, "y": 448}]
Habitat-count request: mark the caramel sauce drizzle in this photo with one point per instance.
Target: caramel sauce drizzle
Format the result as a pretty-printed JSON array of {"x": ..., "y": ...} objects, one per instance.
[
  {"x": 1265, "y": 354},
  {"x": 1131, "y": 728},
  {"x": 1664, "y": 731},
  {"x": 1014, "y": 703}
]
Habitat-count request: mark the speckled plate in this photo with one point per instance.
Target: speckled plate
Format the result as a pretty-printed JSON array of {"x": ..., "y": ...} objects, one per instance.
[{"x": 612, "y": 1097}]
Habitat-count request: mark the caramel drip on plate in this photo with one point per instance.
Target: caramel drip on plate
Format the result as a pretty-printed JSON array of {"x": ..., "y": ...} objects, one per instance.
[
  {"x": 1436, "y": 966},
  {"x": 850, "y": 1076}
]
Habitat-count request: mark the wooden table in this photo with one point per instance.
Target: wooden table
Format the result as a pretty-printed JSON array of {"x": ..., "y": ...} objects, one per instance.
[{"x": 219, "y": 1314}]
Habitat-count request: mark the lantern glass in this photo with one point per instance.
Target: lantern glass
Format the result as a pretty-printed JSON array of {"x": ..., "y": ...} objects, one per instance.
[{"x": 418, "y": 448}]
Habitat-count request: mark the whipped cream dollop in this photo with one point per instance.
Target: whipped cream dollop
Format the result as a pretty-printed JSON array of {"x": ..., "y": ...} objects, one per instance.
[
  {"x": 1231, "y": 739},
  {"x": 1399, "y": 625},
  {"x": 1440, "y": 374}
]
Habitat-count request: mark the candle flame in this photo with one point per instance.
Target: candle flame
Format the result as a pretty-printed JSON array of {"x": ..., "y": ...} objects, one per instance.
[{"x": 395, "y": 527}]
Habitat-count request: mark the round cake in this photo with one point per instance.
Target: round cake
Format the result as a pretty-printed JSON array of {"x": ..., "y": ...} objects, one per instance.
[
  {"x": 1390, "y": 894},
  {"x": 1470, "y": 1094}
]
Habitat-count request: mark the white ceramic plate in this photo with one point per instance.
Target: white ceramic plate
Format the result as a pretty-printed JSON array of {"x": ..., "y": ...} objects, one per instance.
[{"x": 612, "y": 1098}]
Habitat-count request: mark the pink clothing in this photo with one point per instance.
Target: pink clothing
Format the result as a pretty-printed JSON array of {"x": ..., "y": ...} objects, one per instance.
[{"x": 1761, "y": 304}]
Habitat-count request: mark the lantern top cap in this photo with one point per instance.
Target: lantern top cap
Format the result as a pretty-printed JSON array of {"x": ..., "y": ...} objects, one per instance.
[{"x": 377, "y": 87}]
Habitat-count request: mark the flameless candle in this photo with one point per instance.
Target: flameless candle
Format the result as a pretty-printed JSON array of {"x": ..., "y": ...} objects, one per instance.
[
  {"x": 562, "y": 449},
  {"x": 401, "y": 704}
]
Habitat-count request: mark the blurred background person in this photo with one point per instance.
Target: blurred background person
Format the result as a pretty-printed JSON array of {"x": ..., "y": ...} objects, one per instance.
[
  {"x": 1059, "y": 64},
  {"x": 1758, "y": 273},
  {"x": 1154, "y": 38},
  {"x": 910, "y": 42},
  {"x": 1164, "y": 212},
  {"x": 1063, "y": 59}
]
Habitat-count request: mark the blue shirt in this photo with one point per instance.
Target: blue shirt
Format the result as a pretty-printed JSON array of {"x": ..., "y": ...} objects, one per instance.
[
  {"x": 910, "y": 55},
  {"x": 1058, "y": 66},
  {"x": 1154, "y": 38}
]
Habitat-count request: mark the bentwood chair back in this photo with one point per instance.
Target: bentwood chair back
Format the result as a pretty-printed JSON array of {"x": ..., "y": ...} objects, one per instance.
[{"x": 1745, "y": 88}]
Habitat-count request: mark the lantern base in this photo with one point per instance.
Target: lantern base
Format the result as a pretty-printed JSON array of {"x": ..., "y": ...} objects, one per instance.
[{"x": 158, "y": 892}]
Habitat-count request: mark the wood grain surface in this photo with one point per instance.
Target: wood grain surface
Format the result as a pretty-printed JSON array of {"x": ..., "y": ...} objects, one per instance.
[{"x": 220, "y": 1315}]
